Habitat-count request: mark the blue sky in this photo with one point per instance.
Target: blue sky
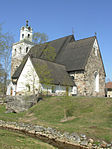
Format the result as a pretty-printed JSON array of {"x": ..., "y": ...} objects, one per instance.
[{"x": 56, "y": 18}]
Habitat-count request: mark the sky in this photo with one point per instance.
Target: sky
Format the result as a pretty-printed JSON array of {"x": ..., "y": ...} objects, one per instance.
[{"x": 57, "y": 18}]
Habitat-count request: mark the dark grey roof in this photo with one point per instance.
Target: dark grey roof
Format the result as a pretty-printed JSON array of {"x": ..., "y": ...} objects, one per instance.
[
  {"x": 54, "y": 73},
  {"x": 58, "y": 45},
  {"x": 48, "y": 72},
  {"x": 73, "y": 54},
  {"x": 76, "y": 53},
  {"x": 69, "y": 53}
]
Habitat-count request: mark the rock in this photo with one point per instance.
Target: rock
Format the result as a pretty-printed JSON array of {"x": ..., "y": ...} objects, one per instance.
[
  {"x": 94, "y": 146},
  {"x": 50, "y": 130},
  {"x": 16, "y": 104},
  {"x": 39, "y": 129},
  {"x": 76, "y": 136},
  {"x": 91, "y": 141},
  {"x": 66, "y": 136},
  {"x": 103, "y": 144},
  {"x": 84, "y": 143},
  {"x": 83, "y": 137},
  {"x": 109, "y": 145},
  {"x": 90, "y": 145}
]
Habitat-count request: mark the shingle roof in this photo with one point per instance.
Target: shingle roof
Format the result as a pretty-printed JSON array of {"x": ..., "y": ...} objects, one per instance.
[
  {"x": 58, "y": 45},
  {"x": 70, "y": 53},
  {"x": 57, "y": 73},
  {"x": 52, "y": 72},
  {"x": 109, "y": 85},
  {"x": 73, "y": 54},
  {"x": 76, "y": 53}
]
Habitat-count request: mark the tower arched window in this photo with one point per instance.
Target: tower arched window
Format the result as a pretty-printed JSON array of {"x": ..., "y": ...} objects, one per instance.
[
  {"x": 28, "y": 35},
  {"x": 96, "y": 81},
  {"x": 26, "y": 49},
  {"x": 22, "y": 35}
]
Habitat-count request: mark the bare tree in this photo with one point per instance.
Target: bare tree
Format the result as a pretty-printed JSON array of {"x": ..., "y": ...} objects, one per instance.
[
  {"x": 6, "y": 41},
  {"x": 39, "y": 37}
]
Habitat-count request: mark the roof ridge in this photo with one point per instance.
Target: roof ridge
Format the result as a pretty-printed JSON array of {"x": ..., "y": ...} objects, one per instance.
[
  {"x": 48, "y": 61},
  {"x": 61, "y": 38},
  {"x": 86, "y": 38},
  {"x": 52, "y": 40}
]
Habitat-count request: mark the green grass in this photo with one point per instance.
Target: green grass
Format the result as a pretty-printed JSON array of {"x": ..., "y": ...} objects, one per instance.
[
  {"x": 91, "y": 116},
  {"x": 13, "y": 140}
]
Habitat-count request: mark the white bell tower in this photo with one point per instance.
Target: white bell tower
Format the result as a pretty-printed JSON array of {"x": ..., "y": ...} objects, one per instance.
[
  {"x": 21, "y": 48},
  {"x": 26, "y": 32}
]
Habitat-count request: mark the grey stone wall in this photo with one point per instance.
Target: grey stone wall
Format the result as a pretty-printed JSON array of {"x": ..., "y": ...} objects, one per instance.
[
  {"x": 85, "y": 80},
  {"x": 14, "y": 64},
  {"x": 94, "y": 64},
  {"x": 79, "y": 81}
]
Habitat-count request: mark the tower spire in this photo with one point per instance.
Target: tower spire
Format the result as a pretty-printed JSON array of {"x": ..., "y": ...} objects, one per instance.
[
  {"x": 26, "y": 23},
  {"x": 26, "y": 32}
]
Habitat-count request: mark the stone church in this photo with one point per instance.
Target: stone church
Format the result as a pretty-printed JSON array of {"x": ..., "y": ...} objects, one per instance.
[{"x": 77, "y": 68}]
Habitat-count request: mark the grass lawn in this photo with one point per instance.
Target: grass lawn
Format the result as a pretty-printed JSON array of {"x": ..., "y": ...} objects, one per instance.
[
  {"x": 12, "y": 140},
  {"x": 91, "y": 116}
]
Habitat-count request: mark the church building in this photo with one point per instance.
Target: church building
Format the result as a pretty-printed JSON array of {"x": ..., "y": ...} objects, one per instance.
[{"x": 77, "y": 68}]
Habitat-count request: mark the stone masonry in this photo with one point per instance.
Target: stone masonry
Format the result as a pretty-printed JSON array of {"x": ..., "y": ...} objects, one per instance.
[
  {"x": 85, "y": 80},
  {"x": 94, "y": 64}
]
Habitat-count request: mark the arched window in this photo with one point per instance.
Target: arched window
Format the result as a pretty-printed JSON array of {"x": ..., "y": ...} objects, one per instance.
[
  {"x": 95, "y": 51},
  {"x": 22, "y": 35},
  {"x": 26, "y": 49},
  {"x": 96, "y": 76},
  {"x": 28, "y": 35}
]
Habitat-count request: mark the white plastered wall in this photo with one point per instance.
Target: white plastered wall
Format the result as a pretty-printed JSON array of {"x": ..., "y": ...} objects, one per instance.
[{"x": 27, "y": 78}]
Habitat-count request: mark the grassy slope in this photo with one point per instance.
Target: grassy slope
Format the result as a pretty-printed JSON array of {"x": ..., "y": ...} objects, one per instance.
[
  {"x": 92, "y": 116},
  {"x": 12, "y": 140}
]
